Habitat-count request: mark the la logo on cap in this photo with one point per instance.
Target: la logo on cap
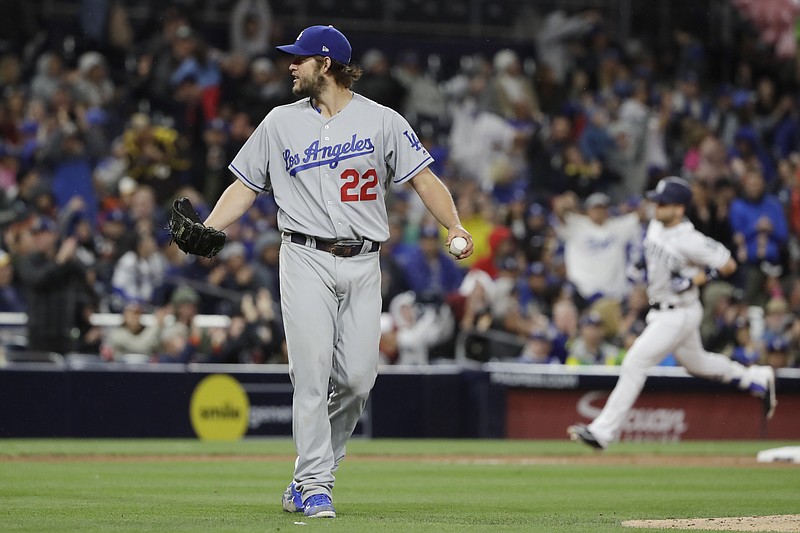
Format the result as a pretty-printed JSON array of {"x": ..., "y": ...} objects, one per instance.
[{"x": 316, "y": 40}]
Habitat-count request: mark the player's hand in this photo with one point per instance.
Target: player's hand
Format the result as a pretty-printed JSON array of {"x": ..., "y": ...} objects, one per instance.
[
  {"x": 680, "y": 283},
  {"x": 711, "y": 274},
  {"x": 636, "y": 272},
  {"x": 67, "y": 250},
  {"x": 459, "y": 231},
  {"x": 764, "y": 225}
]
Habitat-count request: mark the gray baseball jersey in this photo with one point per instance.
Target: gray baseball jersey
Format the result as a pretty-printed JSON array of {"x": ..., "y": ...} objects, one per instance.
[
  {"x": 329, "y": 176},
  {"x": 681, "y": 249}
]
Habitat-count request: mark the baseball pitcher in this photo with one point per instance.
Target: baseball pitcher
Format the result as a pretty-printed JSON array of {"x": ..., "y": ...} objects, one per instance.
[{"x": 329, "y": 159}]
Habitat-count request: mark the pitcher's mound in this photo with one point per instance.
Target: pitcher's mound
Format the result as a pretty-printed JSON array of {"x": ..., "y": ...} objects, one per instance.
[{"x": 779, "y": 523}]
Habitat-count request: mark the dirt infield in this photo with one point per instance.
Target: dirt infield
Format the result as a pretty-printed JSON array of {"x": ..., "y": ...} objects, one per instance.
[
  {"x": 779, "y": 523},
  {"x": 597, "y": 459},
  {"x": 594, "y": 459}
]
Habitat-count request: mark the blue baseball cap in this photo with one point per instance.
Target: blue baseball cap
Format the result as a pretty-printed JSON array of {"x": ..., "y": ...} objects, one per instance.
[
  {"x": 537, "y": 268},
  {"x": 536, "y": 209},
  {"x": 592, "y": 318},
  {"x": 114, "y": 215},
  {"x": 320, "y": 41},
  {"x": 540, "y": 335},
  {"x": 671, "y": 190},
  {"x": 43, "y": 223},
  {"x": 509, "y": 263},
  {"x": 777, "y": 344}
]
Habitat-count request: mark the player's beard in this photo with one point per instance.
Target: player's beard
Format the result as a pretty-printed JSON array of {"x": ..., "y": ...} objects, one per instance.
[
  {"x": 668, "y": 215},
  {"x": 313, "y": 86}
]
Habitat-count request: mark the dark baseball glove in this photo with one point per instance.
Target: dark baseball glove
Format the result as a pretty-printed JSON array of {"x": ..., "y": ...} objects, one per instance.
[{"x": 190, "y": 234}]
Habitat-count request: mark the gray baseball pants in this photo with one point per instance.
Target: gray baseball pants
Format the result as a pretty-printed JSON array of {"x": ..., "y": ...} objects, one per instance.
[{"x": 331, "y": 309}]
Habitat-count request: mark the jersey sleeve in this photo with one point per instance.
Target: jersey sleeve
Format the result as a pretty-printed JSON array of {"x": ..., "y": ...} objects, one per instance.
[
  {"x": 570, "y": 226},
  {"x": 252, "y": 161},
  {"x": 631, "y": 227},
  {"x": 702, "y": 250},
  {"x": 405, "y": 154}
]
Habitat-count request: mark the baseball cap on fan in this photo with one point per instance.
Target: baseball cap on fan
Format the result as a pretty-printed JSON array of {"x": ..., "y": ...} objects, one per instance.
[
  {"x": 42, "y": 223},
  {"x": 598, "y": 199},
  {"x": 671, "y": 191},
  {"x": 320, "y": 41}
]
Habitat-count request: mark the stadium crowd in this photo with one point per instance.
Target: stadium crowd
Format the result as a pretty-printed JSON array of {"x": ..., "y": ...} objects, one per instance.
[{"x": 548, "y": 157}]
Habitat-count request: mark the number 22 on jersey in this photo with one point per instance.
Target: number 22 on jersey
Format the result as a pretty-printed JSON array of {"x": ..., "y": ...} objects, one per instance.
[{"x": 359, "y": 187}]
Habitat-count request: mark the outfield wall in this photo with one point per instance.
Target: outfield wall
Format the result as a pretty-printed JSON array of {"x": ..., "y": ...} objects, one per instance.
[{"x": 493, "y": 400}]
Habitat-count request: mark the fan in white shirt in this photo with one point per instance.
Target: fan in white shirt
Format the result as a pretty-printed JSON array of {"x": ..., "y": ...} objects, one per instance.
[{"x": 596, "y": 245}]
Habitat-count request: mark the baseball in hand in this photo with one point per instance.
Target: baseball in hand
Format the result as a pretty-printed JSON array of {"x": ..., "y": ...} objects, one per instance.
[{"x": 457, "y": 245}]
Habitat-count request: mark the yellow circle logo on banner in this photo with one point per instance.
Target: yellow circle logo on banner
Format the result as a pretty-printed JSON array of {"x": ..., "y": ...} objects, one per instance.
[{"x": 219, "y": 409}]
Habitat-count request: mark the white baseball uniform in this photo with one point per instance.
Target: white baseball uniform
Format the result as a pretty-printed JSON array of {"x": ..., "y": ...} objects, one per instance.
[
  {"x": 329, "y": 177},
  {"x": 673, "y": 324}
]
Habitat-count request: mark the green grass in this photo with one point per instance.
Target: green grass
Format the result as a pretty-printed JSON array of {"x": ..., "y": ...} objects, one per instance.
[{"x": 387, "y": 485}]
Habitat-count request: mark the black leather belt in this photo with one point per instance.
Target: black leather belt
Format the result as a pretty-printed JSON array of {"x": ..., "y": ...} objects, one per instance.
[
  {"x": 337, "y": 248},
  {"x": 661, "y": 306}
]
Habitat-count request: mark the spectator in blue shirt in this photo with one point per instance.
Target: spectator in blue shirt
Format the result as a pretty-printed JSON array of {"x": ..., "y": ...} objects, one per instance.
[
  {"x": 538, "y": 290},
  {"x": 760, "y": 232},
  {"x": 748, "y": 150},
  {"x": 429, "y": 270},
  {"x": 197, "y": 72},
  {"x": 596, "y": 142}
]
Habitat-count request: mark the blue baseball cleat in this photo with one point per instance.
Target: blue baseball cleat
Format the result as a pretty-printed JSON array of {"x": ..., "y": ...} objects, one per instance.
[
  {"x": 759, "y": 380},
  {"x": 292, "y": 499},
  {"x": 766, "y": 390},
  {"x": 319, "y": 506}
]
